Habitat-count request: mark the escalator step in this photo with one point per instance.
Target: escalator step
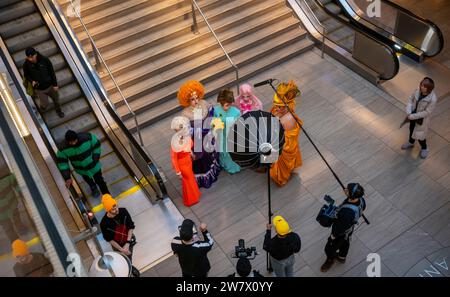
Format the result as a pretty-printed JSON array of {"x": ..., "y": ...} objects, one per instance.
[
  {"x": 47, "y": 48},
  {"x": 16, "y": 10},
  {"x": 20, "y": 25},
  {"x": 28, "y": 39},
  {"x": 72, "y": 110},
  {"x": 82, "y": 123},
  {"x": 335, "y": 9}
]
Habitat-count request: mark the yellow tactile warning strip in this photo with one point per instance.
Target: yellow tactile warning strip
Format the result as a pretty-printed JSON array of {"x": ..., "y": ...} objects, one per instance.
[
  {"x": 29, "y": 243},
  {"x": 97, "y": 208},
  {"x": 122, "y": 195}
]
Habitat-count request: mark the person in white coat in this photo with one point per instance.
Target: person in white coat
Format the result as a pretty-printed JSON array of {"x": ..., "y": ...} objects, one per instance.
[{"x": 419, "y": 108}]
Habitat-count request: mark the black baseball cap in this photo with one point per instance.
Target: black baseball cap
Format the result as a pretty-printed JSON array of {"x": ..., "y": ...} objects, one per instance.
[
  {"x": 186, "y": 230},
  {"x": 30, "y": 52}
]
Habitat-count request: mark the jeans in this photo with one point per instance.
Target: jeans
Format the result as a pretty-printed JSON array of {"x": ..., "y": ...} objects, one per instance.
[
  {"x": 283, "y": 268},
  {"x": 423, "y": 143},
  {"x": 98, "y": 180}
]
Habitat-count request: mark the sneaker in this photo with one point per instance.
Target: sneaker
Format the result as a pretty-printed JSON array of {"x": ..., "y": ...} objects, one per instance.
[
  {"x": 340, "y": 259},
  {"x": 327, "y": 265},
  {"x": 407, "y": 145},
  {"x": 423, "y": 154},
  {"x": 60, "y": 113}
]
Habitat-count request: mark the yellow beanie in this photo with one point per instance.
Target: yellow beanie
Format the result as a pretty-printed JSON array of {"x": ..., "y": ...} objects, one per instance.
[
  {"x": 108, "y": 202},
  {"x": 19, "y": 248},
  {"x": 281, "y": 225}
]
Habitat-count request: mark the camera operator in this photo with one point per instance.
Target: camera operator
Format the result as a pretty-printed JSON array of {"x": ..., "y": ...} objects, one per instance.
[
  {"x": 244, "y": 269},
  {"x": 342, "y": 229},
  {"x": 282, "y": 247},
  {"x": 191, "y": 252}
]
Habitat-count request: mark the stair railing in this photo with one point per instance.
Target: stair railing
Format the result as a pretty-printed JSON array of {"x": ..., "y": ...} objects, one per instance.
[
  {"x": 194, "y": 29},
  {"x": 99, "y": 61}
]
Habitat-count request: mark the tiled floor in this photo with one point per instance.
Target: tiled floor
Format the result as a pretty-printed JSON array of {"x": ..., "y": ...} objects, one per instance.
[{"x": 355, "y": 125}]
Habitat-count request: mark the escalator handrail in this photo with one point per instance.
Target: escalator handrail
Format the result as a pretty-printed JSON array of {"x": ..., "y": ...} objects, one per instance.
[
  {"x": 100, "y": 90},
  {"x": 12, "y": 70},
  {"x": 353, "y": 27},
  {"x": 429, "y": 22}
]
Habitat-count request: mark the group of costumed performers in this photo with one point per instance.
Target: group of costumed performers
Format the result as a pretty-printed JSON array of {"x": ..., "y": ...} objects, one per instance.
[{"x": 199, "y": 148}]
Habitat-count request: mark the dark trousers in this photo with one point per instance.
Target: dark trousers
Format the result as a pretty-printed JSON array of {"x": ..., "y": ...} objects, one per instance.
[
  {"x": 97, "y": 181},
  {"x": 337, "y": 247},
  {"x": 42, "y": 98},
  {"x": 423, "y": 143}
]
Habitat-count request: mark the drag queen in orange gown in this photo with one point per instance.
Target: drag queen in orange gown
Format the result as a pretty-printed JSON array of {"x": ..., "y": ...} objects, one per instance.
[
  {"x": 290, "y": 157},
  {"x": 181, "y": 150}
]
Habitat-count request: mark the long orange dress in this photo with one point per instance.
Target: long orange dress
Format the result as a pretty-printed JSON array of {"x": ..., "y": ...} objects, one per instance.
[
  {"x": 182, "y": 162},
  {"x": 290, "y": 158}
]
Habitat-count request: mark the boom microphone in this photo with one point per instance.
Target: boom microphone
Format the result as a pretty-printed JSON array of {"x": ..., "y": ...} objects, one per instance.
[{"x": 270, "y": 80}]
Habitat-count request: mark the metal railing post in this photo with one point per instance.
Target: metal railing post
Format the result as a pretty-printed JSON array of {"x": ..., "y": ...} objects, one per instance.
[
  {"x": 323, "y": 41},
  {"x": 99, "y": 60},
  {"x": 194, "y": 26},
  {"x": 194, "y": 3}
]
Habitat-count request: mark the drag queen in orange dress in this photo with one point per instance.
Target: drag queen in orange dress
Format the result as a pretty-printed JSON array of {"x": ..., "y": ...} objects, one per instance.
[
  {"x": 181, "y": 150},
  {"x": 290, "y": 157}
]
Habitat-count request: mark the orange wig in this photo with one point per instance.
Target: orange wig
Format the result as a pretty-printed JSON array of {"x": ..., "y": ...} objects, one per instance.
[{"x": 186, "y": 90}]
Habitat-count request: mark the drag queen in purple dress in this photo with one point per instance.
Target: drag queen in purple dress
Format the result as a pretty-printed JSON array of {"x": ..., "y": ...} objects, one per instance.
[{"x": 206, "y": 160}]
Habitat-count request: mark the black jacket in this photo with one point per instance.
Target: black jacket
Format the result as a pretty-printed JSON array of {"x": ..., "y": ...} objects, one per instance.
[
  {"x": 282, "y": 248},
  {"x": 345, "y": 219},
  {"x": 193, "y": 257},
  {"x": 117, "y": 228},
  {"x": 42, "y": 71}
]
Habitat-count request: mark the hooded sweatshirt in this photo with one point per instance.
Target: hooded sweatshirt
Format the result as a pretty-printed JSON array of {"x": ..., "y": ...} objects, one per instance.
[{"x": 282, "y": 248}]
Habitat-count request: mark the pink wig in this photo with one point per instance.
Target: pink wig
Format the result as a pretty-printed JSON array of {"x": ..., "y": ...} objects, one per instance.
[{"x": 247, "y": 89}]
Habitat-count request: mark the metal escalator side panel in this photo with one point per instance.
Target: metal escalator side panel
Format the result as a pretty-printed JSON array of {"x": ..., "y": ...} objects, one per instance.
[
  {"x": 40, "y": 134},
  {"x": 367, "y": 52},
  {"x": 386, "y": 65},
  {"x": 134, "y": 157},
  {"x": 417, "y": 37}
]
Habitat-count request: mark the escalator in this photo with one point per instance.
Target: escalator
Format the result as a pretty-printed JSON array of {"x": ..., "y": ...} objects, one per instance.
[
  {"x": 373, "y": 59},
  {"x": 408, "y": 33},
  {"x": 128, "y": 170}
]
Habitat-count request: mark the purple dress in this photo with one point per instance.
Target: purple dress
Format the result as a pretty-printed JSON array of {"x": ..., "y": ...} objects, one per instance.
[{"x": 206, "y": 164}]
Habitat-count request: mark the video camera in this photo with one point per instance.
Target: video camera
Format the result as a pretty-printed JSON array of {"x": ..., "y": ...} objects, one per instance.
[
  {"x": 240, "y": 251},
  {"x": 327, "y": 213}
]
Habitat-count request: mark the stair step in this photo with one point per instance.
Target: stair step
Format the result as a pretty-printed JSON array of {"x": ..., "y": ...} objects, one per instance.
[
  {"x": 47, "y": 48},
  {"x": 158, "y": 54},
  {"x": 171, "y": 105},
  {"x": 235, "y": 50},
  {"x": 244, "y": 35},
  {"x": 64, "y": 77},
  {"x": 131, "y": 21},
  {"x": 16, "y": 10},
  {"x": 82, "y": 123},
  {"x": 214, "y": 71},
  {"x": 23, "y": 24},
  {"x": 72, "y": 110},
  {"x": 112, "y": 12},
  {"x": 89, "y": 7},
  {"x": 28, "y": 39},
  {"x": 142, "y": 40}
]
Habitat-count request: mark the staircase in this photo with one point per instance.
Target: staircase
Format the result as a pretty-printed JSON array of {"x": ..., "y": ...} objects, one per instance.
[
  {"x": 21, "y": 26},
  {"x": 151, "y": 51}
]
